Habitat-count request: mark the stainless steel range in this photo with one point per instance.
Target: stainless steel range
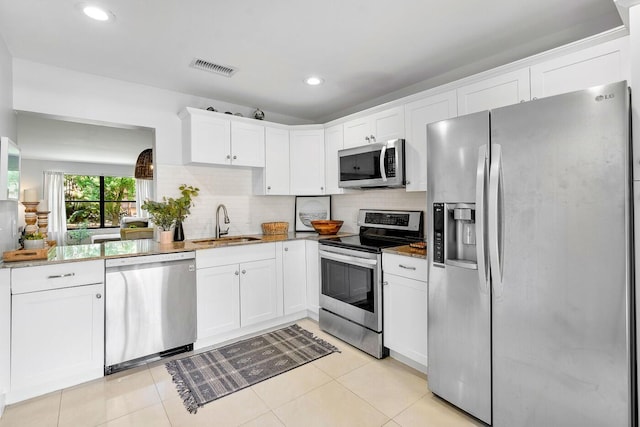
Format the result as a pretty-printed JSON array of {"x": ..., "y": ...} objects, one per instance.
[{"x": 351, "y": 276}]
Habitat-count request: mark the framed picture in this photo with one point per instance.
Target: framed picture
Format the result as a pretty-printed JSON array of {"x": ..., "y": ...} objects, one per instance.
[{"x": 310, "y": 208}]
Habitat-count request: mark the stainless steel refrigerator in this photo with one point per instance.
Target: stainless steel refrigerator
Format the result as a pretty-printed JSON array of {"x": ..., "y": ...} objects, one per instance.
[{"x": 530, "y": 261}]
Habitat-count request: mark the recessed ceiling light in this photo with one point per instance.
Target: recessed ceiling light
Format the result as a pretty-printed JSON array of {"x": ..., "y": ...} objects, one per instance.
[
  {"x": 99, "y": 14},
  {"x": 313, "y": 81}
]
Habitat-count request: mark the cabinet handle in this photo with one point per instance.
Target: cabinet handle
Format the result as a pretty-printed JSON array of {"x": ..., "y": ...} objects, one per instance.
[
  {"x": 237, "y": 273},
  {"x": 367, "y": 138},
  {"x": 59, "y": 276},
  {"x": 244, "y": 271},
  {"x": 322, "y": 188},
  {"x": 406, "y": 267},
  {"x": 269, "y": 187},
  {"x": 373, "y": 138},
  {"x": 228, "y": 156},
  {"x": 235, "y": 157},
  {"x": 385, "y": 283},
  {"x": 286, "y": 249},
  {"x": 408, "y": 182},
  {"x": 98, "y": 296}
]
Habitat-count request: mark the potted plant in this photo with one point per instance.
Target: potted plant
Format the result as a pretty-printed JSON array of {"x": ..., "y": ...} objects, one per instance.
[
  {"x": 162, "y": 215},
  {"x": 171, "y": 211},
  {"x": 181, "y": 207},
  {"x": 34, "y": 241}
]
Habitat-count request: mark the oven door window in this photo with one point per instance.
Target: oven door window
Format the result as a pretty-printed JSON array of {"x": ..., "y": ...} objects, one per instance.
[{"x": 351, "y": 284}]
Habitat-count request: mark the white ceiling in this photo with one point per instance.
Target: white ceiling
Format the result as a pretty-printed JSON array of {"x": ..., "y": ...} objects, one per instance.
[{"x": 363, "y": 49}]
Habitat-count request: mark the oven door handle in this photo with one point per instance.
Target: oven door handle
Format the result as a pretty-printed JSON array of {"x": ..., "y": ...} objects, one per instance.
[{"x": 363, "y": 262}]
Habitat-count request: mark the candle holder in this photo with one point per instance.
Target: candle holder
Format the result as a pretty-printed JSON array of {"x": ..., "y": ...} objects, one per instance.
[
  {"x": 43, "y": 222},
  {"x": 30, "y": 217}
]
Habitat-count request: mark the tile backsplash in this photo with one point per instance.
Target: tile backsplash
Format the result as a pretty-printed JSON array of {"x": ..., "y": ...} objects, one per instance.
[{"x": 233, "y": 188}]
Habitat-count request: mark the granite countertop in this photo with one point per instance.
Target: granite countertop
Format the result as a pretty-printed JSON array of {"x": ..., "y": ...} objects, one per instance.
[
  {"x": 128, "y": 248},
  {"x": 407, "y": 250}
]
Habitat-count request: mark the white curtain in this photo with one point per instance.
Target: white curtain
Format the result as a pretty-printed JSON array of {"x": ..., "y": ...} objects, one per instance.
[
  {"x": 144, "y": 191},
  {"x": 54, "y": 194}
]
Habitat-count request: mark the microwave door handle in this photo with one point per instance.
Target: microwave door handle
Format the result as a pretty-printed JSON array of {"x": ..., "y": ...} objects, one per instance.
[
  {"x": 383, "y": 172},
  {"x": 367, "y": 263}
]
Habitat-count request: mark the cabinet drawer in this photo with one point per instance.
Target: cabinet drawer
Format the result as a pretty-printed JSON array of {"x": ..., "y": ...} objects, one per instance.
[
  {"x": 56, "y": 276},
  {"x": 405, "y": 266},
  {"x": 215, "y": 257}
]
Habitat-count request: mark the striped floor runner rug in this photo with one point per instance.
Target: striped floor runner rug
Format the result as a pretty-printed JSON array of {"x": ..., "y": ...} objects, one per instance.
[{"x": 205, "y": 377}]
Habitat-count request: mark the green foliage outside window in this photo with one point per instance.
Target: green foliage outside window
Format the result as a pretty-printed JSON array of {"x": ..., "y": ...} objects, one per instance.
[{"x": 99, "y": 201}]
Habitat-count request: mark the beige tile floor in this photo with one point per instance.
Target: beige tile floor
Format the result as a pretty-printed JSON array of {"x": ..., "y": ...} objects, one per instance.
[{"x": 342, "y": 389}]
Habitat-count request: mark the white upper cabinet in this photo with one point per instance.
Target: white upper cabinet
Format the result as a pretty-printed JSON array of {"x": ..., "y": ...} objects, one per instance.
[
  {"x": 377, "y": 127},
  {"x": 247, "y": 144},
  {"x": 499, "y": 91},
  {"x": 274, "y": 178},
  {"x": 306, "y": 162},
  {"x": 601, "y": 64},
  {"x": 212, "y": 138},
  {"x": 333, "y": 141},
  {"x": 417, "y": 116}
]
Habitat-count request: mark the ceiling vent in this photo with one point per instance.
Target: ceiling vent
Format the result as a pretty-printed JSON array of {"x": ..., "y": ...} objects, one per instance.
[{"x": 222, "y": 70}]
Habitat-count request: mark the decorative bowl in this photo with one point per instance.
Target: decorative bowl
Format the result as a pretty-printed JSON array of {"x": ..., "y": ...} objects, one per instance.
[{"x": 326, "y": 226}]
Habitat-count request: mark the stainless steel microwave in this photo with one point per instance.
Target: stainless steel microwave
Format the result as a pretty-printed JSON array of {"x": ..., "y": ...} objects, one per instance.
[{"x": 372, "y": 165}]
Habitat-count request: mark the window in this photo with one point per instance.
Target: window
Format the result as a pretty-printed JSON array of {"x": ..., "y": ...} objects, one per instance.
[{"x": 98, "y": 201}]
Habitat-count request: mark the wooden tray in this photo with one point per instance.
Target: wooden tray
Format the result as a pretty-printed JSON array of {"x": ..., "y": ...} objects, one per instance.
[{"x": 28, "y": 254}]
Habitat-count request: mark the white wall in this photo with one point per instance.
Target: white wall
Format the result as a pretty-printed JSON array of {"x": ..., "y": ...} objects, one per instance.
[{"x": 7, "y": 116}]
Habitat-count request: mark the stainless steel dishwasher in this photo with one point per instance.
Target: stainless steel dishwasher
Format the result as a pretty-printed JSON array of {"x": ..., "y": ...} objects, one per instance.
[{"x": 150, "y": 308}]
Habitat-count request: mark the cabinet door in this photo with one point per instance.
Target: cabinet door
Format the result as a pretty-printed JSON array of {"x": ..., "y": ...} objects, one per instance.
[
  {"x": 505, "y": 89},
  {"x": 209, "y": 139},
  {"x": 247, "y": 144},
  {"x": 276, "y": 169},
  {"x": 306, "y": 157},
  {"x": 57, "y": 339},
  {"x": 405, "y": 317},
  {"x": 418, "y": 115},
  {"x": 333, "y": 141},
  {"x": 5, "y": 333},
  {"x": 258, "y": 292},
  {"x": 218, "y": 300},
  {"x": 357, "y": 132},
  {"x": 294, "y": 276},
  {"x": 388, "y": 124},
  {"x": 313, "y": 276},
  {"x": 605, "y": 63}
]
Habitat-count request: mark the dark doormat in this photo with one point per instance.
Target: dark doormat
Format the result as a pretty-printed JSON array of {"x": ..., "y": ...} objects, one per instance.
[{"x": 208, "y": 376}]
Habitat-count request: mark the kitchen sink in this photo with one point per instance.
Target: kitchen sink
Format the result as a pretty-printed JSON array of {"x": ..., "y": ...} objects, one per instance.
[{"x": 231, "y": 239}]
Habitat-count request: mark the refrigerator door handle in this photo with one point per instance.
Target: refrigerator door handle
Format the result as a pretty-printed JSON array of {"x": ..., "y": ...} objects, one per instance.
[
  {"x": 494, "y": 219},
  {"x": 481, "y": 176},
  {"x": 383, "y": 172}
]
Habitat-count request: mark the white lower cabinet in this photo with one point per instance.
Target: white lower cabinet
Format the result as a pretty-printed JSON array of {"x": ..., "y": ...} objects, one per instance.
[
  {"x": 218, "y": 290},
  {"x": 57, "y": 327},
  {"x": 258, "y": 292},
  {"x": 237, "y": 287},
  {"x": 405, "y": 306},
  {"x": 294, "y": 276},
  {"x": 5, "y": 335}
]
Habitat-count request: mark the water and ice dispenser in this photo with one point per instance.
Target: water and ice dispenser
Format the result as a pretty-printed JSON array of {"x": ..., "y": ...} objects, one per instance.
[{"x": 454, "y": 234}]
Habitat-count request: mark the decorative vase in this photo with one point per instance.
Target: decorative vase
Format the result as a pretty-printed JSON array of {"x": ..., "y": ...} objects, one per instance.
[
  {"x": 166, "y": 237},
  {"x": 178, "y": 232}
]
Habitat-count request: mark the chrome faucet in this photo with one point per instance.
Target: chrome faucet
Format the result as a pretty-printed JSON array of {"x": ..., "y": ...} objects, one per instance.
[{"x": 219, "y": 231}]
